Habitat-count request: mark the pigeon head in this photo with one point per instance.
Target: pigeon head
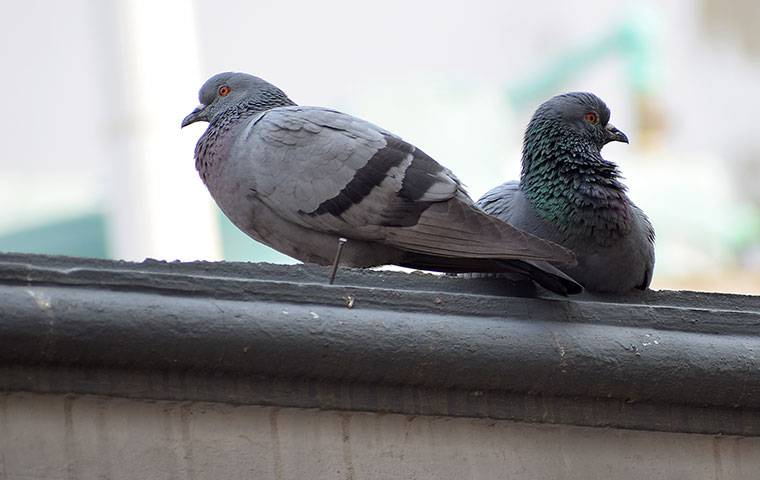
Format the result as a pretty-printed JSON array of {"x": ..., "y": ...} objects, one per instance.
[
  {"x": 561, "y": 154},
  {"x": 576, "y": 116},
  {"x": 229, "y": 91}
]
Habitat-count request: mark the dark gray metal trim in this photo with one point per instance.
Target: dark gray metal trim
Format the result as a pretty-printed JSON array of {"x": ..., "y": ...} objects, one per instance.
[{"x": 412, "y": 343}]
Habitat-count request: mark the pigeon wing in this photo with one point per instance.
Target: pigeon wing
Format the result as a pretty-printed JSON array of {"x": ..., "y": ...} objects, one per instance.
[
  {"x": 499, "y": 201},
  {"x": 335, "y": 173}
]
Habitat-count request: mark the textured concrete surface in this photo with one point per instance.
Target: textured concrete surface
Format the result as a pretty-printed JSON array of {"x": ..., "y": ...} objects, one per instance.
[
  {"x": 114, "y": 370},
  {"x": 91, "y": 437},
  {"x": 412, "y": 344}
]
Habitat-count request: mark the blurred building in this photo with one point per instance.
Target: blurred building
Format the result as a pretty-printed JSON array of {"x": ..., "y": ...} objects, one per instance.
[{"x": 95, "y": 163}]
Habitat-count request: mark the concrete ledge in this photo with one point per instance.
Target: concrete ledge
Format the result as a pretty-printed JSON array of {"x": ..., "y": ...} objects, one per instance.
[{"x": 410, "y": 343}]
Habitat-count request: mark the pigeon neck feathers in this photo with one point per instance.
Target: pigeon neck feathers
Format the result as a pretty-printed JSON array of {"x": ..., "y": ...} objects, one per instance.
[
  {"x": 223, "y": 121},
  {"x": 261, "y": 102},
  {"x": 570, "y": 185}
]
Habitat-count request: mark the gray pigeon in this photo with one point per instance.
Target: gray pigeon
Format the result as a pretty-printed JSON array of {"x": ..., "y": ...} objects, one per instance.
[
  {"x": 569, "y": 194},
  {"x": 299, "y": 179}
]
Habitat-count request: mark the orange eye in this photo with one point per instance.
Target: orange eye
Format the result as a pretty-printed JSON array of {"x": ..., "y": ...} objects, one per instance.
[
  {"x": 591, "y": 117},
  {"x": 224, "y": 90}
]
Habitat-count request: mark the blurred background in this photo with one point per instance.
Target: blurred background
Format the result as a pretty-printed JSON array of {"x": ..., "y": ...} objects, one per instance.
[{"x": 94, "y": 163}]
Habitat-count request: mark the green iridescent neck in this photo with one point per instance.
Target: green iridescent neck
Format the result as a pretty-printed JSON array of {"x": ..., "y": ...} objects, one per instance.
[{"x": 570, "y": 185}]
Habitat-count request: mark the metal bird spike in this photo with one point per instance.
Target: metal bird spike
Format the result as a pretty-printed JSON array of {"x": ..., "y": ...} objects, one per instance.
[{"x": 341, "y": 243}]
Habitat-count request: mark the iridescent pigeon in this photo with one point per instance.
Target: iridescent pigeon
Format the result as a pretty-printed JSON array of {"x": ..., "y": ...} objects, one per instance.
[{"x": 570, "y": 195}]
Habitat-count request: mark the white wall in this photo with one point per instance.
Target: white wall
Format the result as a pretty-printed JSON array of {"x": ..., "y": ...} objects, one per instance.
[{"x": 87, "y": 437}]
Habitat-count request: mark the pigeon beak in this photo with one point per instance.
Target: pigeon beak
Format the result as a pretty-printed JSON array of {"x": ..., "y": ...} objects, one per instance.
[
  {"x": 615, "y": 135},
  {"x": 197, "y": 115}
]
